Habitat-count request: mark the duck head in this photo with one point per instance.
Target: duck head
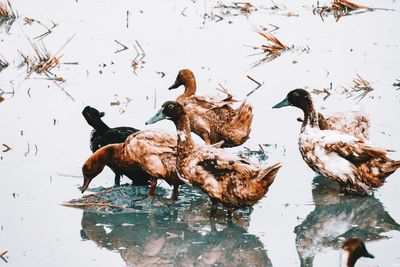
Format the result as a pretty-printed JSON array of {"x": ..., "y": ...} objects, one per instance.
[
  {"x": 95, "y": 165},
  {"x": 170, "y": 110},
  {"x": 298, "y": 97},
  {"x": 185, "y": 77},
  {"x": 354, "y": 249},
  {"x": 92, "y": 115}
]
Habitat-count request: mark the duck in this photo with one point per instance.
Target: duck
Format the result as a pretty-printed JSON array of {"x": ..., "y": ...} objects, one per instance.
[
  {"x": 211, "y": 118},
  {"x": 354, "y": 248},
  {"x": 103, "y": 135},
  {"x": 353, "y": 162},
  {"x": 227, "y": 179},
  {"x": 355, "y": 123},
  {"x": 147, "y": 155}
]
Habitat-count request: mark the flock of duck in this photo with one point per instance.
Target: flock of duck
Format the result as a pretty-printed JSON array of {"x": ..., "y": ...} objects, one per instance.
[{"x": 336, "y": 147}]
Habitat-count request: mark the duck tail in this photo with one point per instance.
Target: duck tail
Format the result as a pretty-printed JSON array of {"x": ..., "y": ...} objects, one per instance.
[
  {"x": 268, "y": 174},
  {"x": 244, "y": 115},
  {"x": 392, "y": 167},
  {"x": 237, "y": 130},
  {"x": 374, "y": 151}
]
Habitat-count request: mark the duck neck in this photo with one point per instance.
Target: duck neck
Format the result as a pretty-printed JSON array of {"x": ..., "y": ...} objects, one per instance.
[
  {"x": 351, "y": 260},
  {"x": 99, "y": 125},
  {"x": 106, "y": 154},
  {"x": 185, "y": 143},
  {"x": 310, "y": 117},
  {"x": 190, "y": 88}
]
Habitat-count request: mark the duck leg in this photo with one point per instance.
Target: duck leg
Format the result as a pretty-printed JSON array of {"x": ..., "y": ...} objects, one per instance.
[
  {"x": 153, "y": 185},
  {"x": 175, "y": 193},
  {"x": 117, "y": 179},
  {"x": 214, "y": 207},
  {"x": 230, "y": 215}
]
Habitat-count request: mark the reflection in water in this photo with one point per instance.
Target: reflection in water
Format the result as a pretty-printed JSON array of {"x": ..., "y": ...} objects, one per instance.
[
  {"x": 175, "y": 235},
  {"x": 338, "y": 217}
]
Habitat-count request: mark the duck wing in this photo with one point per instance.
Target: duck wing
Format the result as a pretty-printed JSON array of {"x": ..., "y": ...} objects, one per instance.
[
  {"x": 356, "y": 152},
  {"x": 154, "y": 151},
  {"x": 353, "y": 123},
  {"x": 209, "y": 102},
  {"x": 110, "y": 136},
  {"x": 125, "y": 131},
  {"x": 220, "y": 164},
  {"x": 153, "y": 141},
  {"x": 116, "y": 135}
]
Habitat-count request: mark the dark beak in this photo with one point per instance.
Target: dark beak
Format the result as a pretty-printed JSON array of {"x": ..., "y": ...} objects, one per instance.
[
  {"x": 175, "y": 85},
  {"x": 369, "y": 255},
  {"x": 101, "y": 114},
  {"x": 158, "y": 117},
  {"x": 283, "y": 103}
]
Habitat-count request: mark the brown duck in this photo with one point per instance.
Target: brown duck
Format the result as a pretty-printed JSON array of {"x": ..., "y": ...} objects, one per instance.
[
  {"x": 145, "y": 155},
  {"x": 357, "y": 166},
  {"x": 211, "y": 118},
  {"x": 227, "y": 179}
]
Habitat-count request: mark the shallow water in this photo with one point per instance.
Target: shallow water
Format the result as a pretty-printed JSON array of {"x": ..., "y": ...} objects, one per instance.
[{"x": 301, "y": 220}]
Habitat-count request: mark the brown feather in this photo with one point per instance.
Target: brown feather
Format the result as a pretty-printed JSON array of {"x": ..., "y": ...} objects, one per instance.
[{"x": 214, "y": 119}]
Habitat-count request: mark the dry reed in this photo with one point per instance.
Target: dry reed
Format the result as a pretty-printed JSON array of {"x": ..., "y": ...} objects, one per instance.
[
  {"x": 340, "y": 8},
  {"x": 271, "y": 50}
]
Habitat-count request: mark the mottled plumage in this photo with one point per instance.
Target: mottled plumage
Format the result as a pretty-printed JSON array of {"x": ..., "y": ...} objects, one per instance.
[
  {"x": 103, "y": 135},
  {"x": 357, "y": 166},
  {"x": 227, "y": 179},
  {"x": 214, "y": 119},
  {"x": 354, "y": 123},
  {"x": 146, "y": 155}
]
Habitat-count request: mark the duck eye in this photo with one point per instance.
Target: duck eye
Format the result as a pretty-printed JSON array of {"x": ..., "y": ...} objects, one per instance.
[
  {"x": 170, "y": 106},
  {"x": 296, "y": 94}
]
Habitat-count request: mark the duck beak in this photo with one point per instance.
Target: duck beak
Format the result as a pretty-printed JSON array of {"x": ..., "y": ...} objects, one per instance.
[
  {"x": 369, "y": 255},
  {"x": 283, "y": 103},
  {"x": 158, "y": 117},
  {"x": 175, "y": 85},
  {"x": 101, "y": 114},
  {"x": 85, "y": 185}
]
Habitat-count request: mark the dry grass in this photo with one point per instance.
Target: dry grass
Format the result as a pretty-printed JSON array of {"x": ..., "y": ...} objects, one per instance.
[
  {"x": 138, "y": 61},
  {"x": 272, "y": 49},
  {"x": 7, "y": 14},
  {"x": 30, "y": 21},
  {"x": 244, "y": 8},
  {"x": 3, "y": 10},
  {"x": 325, "y": 91},
  {"x": 340, "y": 8},
  {"x": 361, "y": 87},
  {"x": 42, "y": 61},
  {"x": 3, "y": 63}
]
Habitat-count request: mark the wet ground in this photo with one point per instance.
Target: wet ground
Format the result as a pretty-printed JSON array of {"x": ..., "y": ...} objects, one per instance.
[{"x": 302, "y": 220}]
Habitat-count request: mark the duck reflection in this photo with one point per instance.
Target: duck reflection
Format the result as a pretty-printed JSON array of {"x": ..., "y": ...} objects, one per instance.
[
  {"x": 177, "y": 235},
  {"x": 338, "y": 217}
]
